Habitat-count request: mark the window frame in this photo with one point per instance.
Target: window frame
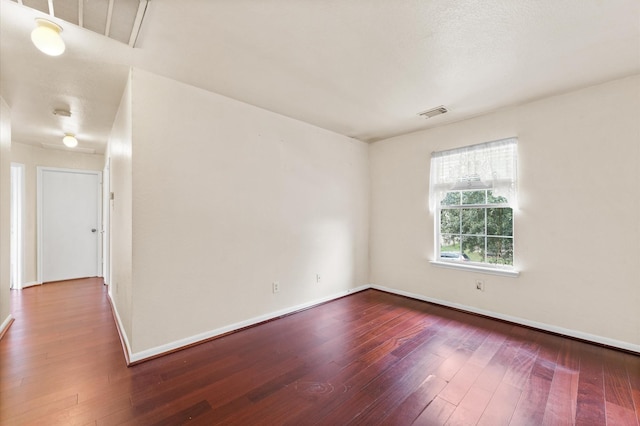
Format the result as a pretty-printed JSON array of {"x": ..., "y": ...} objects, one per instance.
[{"x": 488, "y": 166}]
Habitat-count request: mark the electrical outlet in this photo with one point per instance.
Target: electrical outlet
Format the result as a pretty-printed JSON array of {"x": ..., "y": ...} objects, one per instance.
[
  {"x": 276, "y": 286},
  {"x": 317, "y": 278},
  {"x": 480, "y": 285}
]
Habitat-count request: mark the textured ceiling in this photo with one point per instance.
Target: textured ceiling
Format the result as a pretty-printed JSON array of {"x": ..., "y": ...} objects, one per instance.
[{"x": 362, "y": 68}]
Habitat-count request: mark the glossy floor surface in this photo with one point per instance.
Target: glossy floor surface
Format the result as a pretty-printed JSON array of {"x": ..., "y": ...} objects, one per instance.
[{"x": 370, "y": 358}]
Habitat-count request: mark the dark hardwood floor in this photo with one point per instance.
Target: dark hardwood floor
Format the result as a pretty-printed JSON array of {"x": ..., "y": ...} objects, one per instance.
[{"x": 370, "y": 358}]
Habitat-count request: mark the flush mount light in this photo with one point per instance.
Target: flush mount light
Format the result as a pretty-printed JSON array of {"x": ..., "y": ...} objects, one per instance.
[
  {"x": 46, "y": 37},
  {"x": 70, "y": 140},
  {"x": 433, "y": 112}
]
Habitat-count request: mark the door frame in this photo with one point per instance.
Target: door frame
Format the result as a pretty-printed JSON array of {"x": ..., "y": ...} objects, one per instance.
[
  {"x": 106, "y": 221},
  {"x": 17, "y": 226},
  {"x": 39, "y": 194}
]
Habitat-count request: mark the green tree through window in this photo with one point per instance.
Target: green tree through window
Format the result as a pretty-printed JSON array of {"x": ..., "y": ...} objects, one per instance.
[{"x": 476, "y": 226}]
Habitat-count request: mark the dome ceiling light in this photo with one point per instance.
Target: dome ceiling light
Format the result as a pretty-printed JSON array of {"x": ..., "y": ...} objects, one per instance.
[
  {"x": 70, "y": 140},
  {"x": 46, "y": 37}
]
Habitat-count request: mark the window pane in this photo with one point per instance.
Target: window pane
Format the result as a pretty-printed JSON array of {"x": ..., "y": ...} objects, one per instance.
[
  {"x": 496, "y": 200},
  {"x": 449, "y": 244},
  {"x": 473, "y": 247},
  {"x": 451, "y": 199},
  {"x": 473, "y": 197},
  {"x": 450, "y": 221},
  {"x": 500, "y": 251},
  {"x": 473, "y": 221},
  {"x": 500, "y": 221}
]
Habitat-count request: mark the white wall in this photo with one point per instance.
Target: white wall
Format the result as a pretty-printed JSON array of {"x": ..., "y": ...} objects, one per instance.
[
  {"x": 228, "y": 198},
  {"x": 33, "y": 157},
  {"x": 5, "y": 220},
  {"x": 577, "y": 228},
  {"x": 119, "y": 151}
]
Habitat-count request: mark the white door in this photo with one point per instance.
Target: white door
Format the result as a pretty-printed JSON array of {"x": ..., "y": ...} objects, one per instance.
[{"x": 69, "y": 218}]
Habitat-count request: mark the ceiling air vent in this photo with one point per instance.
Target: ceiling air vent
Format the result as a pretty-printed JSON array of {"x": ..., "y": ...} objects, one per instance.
[
  {"x": 433, "y": 112},
  {"x": 62, "y": 112}
]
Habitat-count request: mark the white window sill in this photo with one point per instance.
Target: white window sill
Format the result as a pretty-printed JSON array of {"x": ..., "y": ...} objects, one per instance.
[{"x": 475, "y": 268}]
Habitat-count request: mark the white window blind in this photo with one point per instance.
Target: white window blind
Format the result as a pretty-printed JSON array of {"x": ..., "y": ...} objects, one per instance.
[{"x": 490, "y": 165}]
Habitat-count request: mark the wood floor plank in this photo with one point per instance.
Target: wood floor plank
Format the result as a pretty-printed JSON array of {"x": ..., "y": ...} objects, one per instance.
[
  {"x": 483, "y": 355},
  {"x": 469, "y": 410},
  {"x": 366, "y": 359},
  {"x": 563, "y": 393},
  {"x": 39, "y": 413},
  {"x": 87, "y": 412},
  {"x": 500, "y": 408},
  {"x": 460, "y": 384},
  {"x": 559, "y": 409},
  {"x": 363, "y": 370},
  {"x": 399, "y": 390},
  {"x": 590, "y": 404},
  {"x": 493, "y": 373},
  {"x": 617, "y": 388},
  {"x": 632, "y": 363},
  {"x": 617, "y": 415},
  {"x": 520, "y": 368},
  {"x": 436, "y": 413},
  {"x": 533, "y": 400},
  {"x": 404, "y": 374},
  {"x": 531, "y": 406},
  {"x": 408, "y": 410}
]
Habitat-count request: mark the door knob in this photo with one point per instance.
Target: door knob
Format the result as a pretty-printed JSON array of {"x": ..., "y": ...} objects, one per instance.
[{"x": 93, "y": 230}]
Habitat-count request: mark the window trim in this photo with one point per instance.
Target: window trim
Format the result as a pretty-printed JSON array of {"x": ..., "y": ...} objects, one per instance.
[
  {"x": 490, "y": 270},
  {"x": 493, "y": 167}
]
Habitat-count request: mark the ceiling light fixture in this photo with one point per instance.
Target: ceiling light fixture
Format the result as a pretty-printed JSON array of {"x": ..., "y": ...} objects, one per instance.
[
  {"x": 433, "y": 112},
  {"x": 70, "y": 140},
  {"x": 46, "y": 37}
]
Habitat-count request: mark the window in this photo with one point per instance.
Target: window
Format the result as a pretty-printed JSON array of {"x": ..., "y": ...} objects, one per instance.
[
  {"x": 472, "y": 193},
  {"x": 476, "y": 226}
]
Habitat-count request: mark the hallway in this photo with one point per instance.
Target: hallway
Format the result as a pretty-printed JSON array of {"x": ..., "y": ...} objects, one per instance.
[{"x": 61, "y": 356}]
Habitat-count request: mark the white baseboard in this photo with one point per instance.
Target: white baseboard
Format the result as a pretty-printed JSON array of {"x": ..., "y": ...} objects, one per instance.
[
  {"x": 30, "y": 284},
  {"x": 517, "y": 320},
  {"x": 5, "y": 325},
  {"x": 178, "y": 344}
]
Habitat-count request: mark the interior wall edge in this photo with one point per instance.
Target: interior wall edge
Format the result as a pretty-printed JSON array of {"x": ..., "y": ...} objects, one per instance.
[
  {"x": 580, "y": 335},
  {"x": 124, "y": 339}
]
